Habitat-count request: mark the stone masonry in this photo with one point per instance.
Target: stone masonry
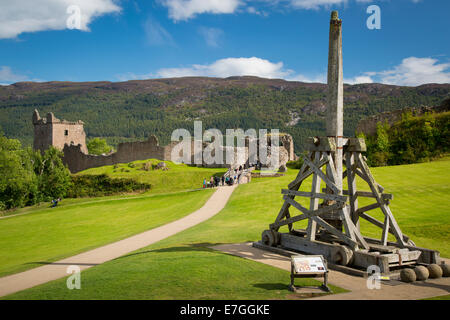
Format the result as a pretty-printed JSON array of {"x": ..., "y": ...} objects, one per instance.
[{"x": 51, "y": 131}]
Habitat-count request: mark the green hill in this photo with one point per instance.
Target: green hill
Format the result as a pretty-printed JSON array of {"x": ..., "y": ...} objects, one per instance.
[{"x": 132, "y": 110}]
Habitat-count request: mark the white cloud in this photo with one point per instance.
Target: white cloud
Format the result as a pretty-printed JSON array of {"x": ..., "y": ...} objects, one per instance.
[
  {"x": 186, "y": 9},
  {"x": 156, "y": 35},
  {"x": 411, "y": 72},
  {"x": 20, "y": 16},
  {"x": 359, "y": 79},
  {"x": 230, "y": 67},
  {"x": 7, "y": 76},
  {"x": 416, "y": 71},
  {"x": 314, "y": 4},
  {"x": 133, "y": 76},
  {"x": 318, "y": 78},
  {"x": 211, "y": 35}
]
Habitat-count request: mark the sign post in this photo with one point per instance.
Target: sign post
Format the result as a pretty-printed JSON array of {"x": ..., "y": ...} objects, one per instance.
[{"x": 309, "y": 267}]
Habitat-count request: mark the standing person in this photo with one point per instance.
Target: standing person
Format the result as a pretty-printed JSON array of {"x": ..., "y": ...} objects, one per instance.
[
  {"x": 204, "y": 183},
  {"x": 240, "y": 168},
  {"x": 211, "y": 182},
  {"x": 223, "y": 180}
]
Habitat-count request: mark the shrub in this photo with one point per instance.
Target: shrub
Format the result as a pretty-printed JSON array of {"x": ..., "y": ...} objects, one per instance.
[{"x": 103, "y": 185}]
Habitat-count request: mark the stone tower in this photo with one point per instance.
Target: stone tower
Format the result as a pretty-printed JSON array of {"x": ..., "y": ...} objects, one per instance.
[{"x": 51, "y": 131}]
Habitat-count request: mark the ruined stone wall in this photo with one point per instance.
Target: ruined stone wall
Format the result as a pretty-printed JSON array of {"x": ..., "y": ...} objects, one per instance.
[{"x": 78, "y": 161}]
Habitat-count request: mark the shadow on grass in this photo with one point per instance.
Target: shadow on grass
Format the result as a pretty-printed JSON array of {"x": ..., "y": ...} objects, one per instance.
[
  {"x": 63, "y": 263},
  {"x": 272, "y": 286},
  {"x": 196, "y": 247}
]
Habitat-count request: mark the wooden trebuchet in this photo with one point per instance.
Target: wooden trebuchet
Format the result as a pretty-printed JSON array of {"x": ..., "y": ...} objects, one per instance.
[{"x": 333, "y": 226}]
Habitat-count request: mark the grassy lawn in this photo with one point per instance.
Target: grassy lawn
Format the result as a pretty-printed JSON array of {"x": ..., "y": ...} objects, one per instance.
[
  {"x": 178, "y": 176},
  {"x": 446, "y": 297},
  {"x": 183, "y": 266},
  {"x": 49, "y": 234}
]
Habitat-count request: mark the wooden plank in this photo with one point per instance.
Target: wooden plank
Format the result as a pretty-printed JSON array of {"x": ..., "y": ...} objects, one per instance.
[
  {"x": 283, "y": 212},
  {"x": 351, "y": 179},
  {"x": 384, "y": 208},
  {"x": 295, "y": 185},
  {"x": 336, "y": 232},
  {"x": 331, "y": 170},
  {"x": 295, "y": 204},
  {"x": 353, "y": 168},
  {"x": 363, "y": 176},
  {"x": 314, "y": 202},
  {"x": 345, "y": 221},
  {"x": 301, "y": 171},
  {"x": 325, "y": 196},
  {"x": 366, "y": 194},
  {"x": 349, "y": 225},
  {"x": 319, "y": 172},
  {"x": 367, "y": 208},
  {"x": 384, "y": 236},
  {"x": 306, "y": 214}
]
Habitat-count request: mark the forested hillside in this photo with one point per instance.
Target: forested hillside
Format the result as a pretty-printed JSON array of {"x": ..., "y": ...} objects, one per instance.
[{"x": 135, "y": 109}]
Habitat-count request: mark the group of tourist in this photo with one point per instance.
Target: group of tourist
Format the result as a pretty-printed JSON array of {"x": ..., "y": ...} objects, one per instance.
[{"x": 229, "y": 180}]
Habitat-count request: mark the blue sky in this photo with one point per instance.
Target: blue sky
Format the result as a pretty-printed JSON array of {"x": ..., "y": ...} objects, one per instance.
[{"x": 140, "y": 39}]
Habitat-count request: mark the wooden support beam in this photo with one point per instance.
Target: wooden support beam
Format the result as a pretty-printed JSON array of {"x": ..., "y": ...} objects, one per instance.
[
  {"x": 364, "y": 177},
  {"x": 384, "y": 208},
  {"x": 352, "y": 165},
  {"x": 386, "y": 227},
  {"x": 331, "y": 170},
  {"x": 350, "y": 226},
  {"x": 319, "y": 172},
  {"x": 295, "y": 204},
  {"x": 336, "y": 232},
  {"x": 306, "y": 213},
  {"x": 325, "y": 196},
  {"x": 295, "y": 185},
  {"x": 366, "y": 194},
  {"x": 313, "y": 203},
  {"x": 283, "y": 212},
  {"x": 367, "y": 208}
]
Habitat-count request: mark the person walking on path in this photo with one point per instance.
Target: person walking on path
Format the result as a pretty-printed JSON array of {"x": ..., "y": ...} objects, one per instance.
[
  {"x": 223, "y": 180},
  {"x": 204, "y": 183}
]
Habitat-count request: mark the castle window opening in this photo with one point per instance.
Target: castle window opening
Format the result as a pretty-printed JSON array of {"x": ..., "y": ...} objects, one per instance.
[{"x": 66, "y": 132}]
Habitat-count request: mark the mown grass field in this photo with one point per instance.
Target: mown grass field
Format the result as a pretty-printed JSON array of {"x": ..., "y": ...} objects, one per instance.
[
  {"x": 184, "y": 267},
  {"x": 178, "y": 177},
  {"x": 47, "y": 234}
]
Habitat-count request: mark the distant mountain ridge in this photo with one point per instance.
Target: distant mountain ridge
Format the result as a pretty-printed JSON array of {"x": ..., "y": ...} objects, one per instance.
[{"x": 123, "y": 111}]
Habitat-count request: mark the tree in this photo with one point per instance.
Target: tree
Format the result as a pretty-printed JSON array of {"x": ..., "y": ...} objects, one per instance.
[
  {"x": 54, "y": 179},
  {"x": 98, "y": 146},
  {"x": 17, "y": 179}
]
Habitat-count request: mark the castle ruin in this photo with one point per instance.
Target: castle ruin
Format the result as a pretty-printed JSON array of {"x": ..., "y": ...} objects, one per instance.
[
  {"x": 70, "y": 138},
  {"x": 51, "y": 131}
]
